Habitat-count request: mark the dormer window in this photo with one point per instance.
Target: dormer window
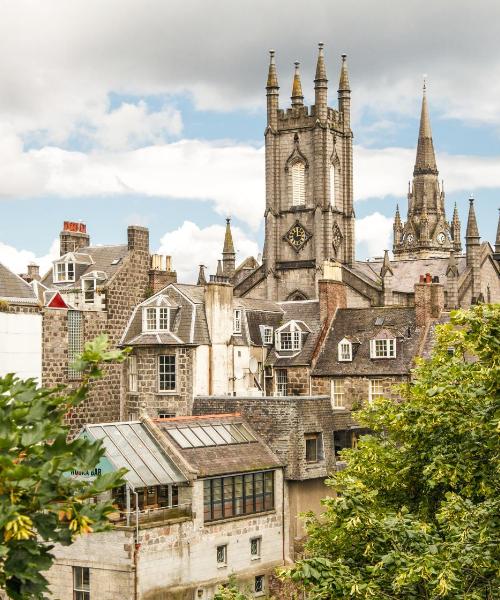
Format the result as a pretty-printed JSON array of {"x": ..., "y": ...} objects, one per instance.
[
  {"x": 156, "y": 318},
  {"x": 267, "y": 335},
  {"x": 288, "y": 340},
  {"x": 345, "y": 350},
  {"x": 237, "y": 320},
  {"x": 64, "y": 271},
  {"x": 385, "y": 348}
]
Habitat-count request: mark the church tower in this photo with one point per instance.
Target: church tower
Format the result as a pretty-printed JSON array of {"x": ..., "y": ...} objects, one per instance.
[
  {"x": 309, "y": 216},
  {"x": 426, "y": 232}
]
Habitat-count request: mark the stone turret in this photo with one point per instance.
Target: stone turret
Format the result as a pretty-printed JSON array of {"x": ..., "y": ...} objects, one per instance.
[
  {"x": 228, "y": 253},
  {"x": 473, "y": 251},
  {"x": 426, "y": 232}
]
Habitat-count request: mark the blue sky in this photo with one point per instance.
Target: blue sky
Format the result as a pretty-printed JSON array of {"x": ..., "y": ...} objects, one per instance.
[{"x": 160, "y": 121}]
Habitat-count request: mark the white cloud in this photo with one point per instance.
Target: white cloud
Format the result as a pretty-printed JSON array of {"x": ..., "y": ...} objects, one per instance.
[
  {"x": 374, "y": 233},
  {"x": 190, "y": 246},
  {"x": 18, "y": 260}
]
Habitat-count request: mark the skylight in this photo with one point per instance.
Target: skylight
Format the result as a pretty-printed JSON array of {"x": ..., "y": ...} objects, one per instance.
[{"x": 201, "y": 436}]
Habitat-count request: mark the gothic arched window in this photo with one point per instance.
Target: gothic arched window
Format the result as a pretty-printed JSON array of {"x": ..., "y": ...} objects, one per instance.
[
  {"x": 332, "y": 185},
  {"x": 298, "y": 184}
]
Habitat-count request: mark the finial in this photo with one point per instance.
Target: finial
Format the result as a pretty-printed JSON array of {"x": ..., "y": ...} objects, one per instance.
[
  {"x": 320, "y": 47},
  {"x": 424, "y": 86},
  {"x": 471, "y": 198},
  {"x": 344, "y": 57},
  {"x": 228, "y": 220},
  {"x": 271, "y": 56},
  {"x": 297, "y": 95}
]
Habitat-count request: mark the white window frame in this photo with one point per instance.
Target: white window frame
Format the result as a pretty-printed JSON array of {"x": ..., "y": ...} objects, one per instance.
[
  {"x": 81, "y": 592},
  {"x": 89, "y": 289},
  {"x": 65, "y": 274},
  {"x": 298, "y": 175},
  {"x": 281, "y": 382},
  {"x": 267, "y": 334},
  {"x": 156, "y": 323},
  {"x": 237, "y": 319},
  {"x": 257, "y": 543},
  {"x": 377, "y": 388},
  {"x": 338, "y": 393},
  {"x": 383, "y": 348},
  {"x": 295, "y": 341},
  {"x": 132, "y": 373},
  {"x": 166, "y": 390},
  {"x": 221, "y": 555},
  {"x": 345, "y": 350}
]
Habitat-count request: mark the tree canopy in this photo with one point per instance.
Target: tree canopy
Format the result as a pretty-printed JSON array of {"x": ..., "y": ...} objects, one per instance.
[
  {"x": 418, "y": 508},
  {"x": 39, "y": 504}
]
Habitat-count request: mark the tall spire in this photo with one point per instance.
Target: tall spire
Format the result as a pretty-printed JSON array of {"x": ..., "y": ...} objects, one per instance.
[
  {"x": 455, "y": 230},
  {"x": 228, "y": 253},
  {"x": 272, "y": 89},
  {"x": 228, "y": 239},
  {"x": 321, "y": 86},
  {"x": 497, "y": 240},
  {"x": 425, "y": 162},
  {"x": 297, "y": 95},
  {"x": 344, "y": 85},
  {"x": 472, "y": 231}
]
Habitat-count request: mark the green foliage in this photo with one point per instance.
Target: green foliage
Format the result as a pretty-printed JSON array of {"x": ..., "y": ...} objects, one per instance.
[
  {"x": 231, "y": 591},
  {"x": 418, "y": 511},
  {"x": 39, "y": 504}
]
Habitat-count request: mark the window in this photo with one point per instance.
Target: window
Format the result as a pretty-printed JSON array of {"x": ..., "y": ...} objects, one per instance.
[
  {"x": 281, "y": 382},
  {"x": 347, "y": 438},
  {"x": 337, "y": 393},
  {"x": 289, "y": 340},
  {"x": 255, "y": 544},
  {"x": 132, "y": 373},
  {"x": 64, "y": 271},
  {"x": 237, "y": 321},
  {"x": 81, "y": 583},
  {"x": 332, "y": 185},
  {"x": 89, "y": 289},
  {"x": 298, "y": 187},
  {"x": 314, "y": 447},
  {"x": 235, "y": 495},
  {"x": 166, "y": 373},
  {"x": 383, "y": 348},
  {"x": 378, "y": 389},
  {"x": 345, "y": 350},
  {"x": 75, "y": 341},
  {"x": 222, "y": 555},
  {"x": 156, "y": 319},
  {"x": 267, "y": 335},
  {"x": 259, "y": 584},
  {"x": 165, "y": 415}
]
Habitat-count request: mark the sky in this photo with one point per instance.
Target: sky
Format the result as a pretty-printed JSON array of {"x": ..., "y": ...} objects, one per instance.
[{"x": 152, "y": 113}]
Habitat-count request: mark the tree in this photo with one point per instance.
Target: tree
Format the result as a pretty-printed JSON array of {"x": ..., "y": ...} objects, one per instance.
[
  {"x": 39, "y": 503},
  {"x": 417, "y": 514}
]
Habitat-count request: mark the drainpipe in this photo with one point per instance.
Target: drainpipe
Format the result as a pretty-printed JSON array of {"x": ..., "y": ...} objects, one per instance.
[
  {"x": 283, "y": 511},
  {"x": 136, "y": 545}
]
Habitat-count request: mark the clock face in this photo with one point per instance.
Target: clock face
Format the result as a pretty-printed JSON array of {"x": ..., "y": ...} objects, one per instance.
[
  {"x": 441, "y": 238},
  {"x": 297, "y": 236}
]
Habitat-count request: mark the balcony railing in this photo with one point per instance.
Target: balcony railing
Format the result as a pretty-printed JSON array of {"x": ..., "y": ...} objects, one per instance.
[{"x": 152, "y": 515}]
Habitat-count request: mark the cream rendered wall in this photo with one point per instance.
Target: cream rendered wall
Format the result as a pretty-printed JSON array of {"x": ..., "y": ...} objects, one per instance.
[
  {"x": 201, "y": 371},
  {"x": 21, "y": 344}
]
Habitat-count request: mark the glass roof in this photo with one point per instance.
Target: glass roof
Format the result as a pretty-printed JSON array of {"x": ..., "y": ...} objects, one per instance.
[{"x": 201, "y": 436}]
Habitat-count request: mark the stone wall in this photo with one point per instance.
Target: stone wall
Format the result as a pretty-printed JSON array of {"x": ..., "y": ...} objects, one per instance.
[{"x": 178, "y": 402}]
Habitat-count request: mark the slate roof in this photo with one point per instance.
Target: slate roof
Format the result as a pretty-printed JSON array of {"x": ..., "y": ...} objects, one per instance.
[
  {"x": 306, "y": 311},
  {"x": 188, "y": 320},
  {"x": 224, "y": 459},
  {"x": 14, "y": 288},
  {"x": 358, "y": 325},
  {"x": 407, "y": 271},
  {"x": 101, "y": 259}
]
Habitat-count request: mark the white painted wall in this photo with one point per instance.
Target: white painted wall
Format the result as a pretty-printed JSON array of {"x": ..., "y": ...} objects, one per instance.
[{"x": 21, "y": 344}]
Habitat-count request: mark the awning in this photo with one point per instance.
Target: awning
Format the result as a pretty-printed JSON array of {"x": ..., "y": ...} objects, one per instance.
[{"x": 130, "y": 445}]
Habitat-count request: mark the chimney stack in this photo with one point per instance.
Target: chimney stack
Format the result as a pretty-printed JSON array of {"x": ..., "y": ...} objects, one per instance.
[
  {"x": 331, "y": 291},
  {"x": 429, "y": 299},
  {"x": 33, "y": 272},
  {"x": 138, "y": 238},
  {"x": 73, "y": 237}
]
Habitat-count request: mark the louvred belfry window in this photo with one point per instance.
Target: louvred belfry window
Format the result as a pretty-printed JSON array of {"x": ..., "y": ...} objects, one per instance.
[
  {"x": 298, "y": 185},
  {"x": 332, "y": 185}
]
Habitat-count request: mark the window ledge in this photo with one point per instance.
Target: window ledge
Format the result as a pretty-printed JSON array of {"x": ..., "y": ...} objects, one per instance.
[{"x": 222, "y": 565}]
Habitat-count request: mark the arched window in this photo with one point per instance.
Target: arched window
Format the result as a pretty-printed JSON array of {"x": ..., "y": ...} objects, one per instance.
[
  {"x": 332, "y": 185},
  {"x": 298, "y": 187}
]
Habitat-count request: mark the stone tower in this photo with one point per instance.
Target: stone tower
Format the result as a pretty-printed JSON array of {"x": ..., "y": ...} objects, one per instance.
[
  {"x": 309, "y": 215},
  {"x": 426, "y": 232}
]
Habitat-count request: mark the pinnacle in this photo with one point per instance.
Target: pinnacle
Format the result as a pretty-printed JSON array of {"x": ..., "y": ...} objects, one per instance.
[
  {"x": 228, "y": 239},
  {"x": 297, "y": 95},
  {"x": 344, "y": 85},
  {"x": 472, "y": 228},
  {"x": 425, "y": 162},
  {"x": 320, "y": 66},
  {"x": 272, "y": 77}
]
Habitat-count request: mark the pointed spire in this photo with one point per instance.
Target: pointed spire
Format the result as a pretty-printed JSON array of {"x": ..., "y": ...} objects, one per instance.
[
  {"x": 425, "y": 162},
  {"x": 397, "y": 217},
  {"x": 220, "y": 272},
  {"x": 297, "y": 95},
  {"x": 472, "y": 228},
  {"x": 386, "y": 265},
  {"x": 344, "y": 85},
  {"x": 272, "y": 76},
  {"x": 202, "y": 280},
  {"x": 497, "y": 240},
  {"x": 228, "y": 239},
  {"x": 320, "y": 65},
  {"x": 456, "y": 218}
]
